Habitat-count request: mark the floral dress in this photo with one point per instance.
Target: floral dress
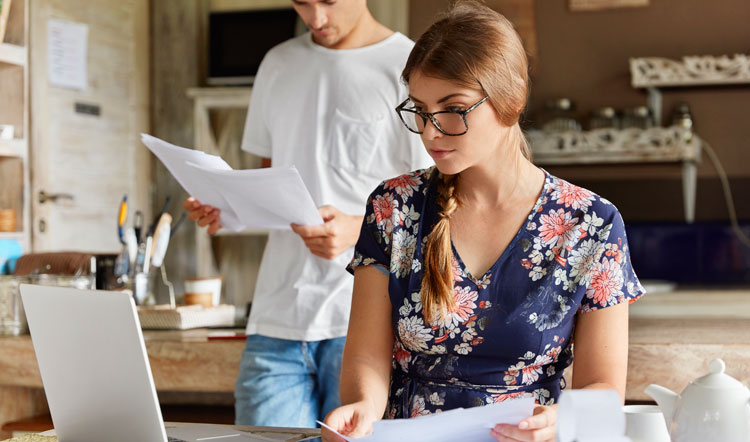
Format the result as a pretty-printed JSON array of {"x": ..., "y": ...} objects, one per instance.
[{"x": 509, "y": 333}]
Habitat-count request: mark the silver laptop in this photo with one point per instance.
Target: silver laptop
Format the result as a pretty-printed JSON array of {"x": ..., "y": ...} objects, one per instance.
[{"x": 95, "y": 369}]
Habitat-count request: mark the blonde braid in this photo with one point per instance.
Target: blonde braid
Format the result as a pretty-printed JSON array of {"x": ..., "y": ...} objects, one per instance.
[{"x": 437, "y": 283}]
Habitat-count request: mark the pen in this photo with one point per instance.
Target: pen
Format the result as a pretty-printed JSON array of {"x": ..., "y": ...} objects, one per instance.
[
  {"x": 138, "y": 225},
  {"x": 179, "y": 222},
  {"x": 158, "y": 216},
  {"x": 121, "y": 218}
]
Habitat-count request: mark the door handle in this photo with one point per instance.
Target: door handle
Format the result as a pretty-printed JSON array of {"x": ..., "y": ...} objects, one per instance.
[{"x": 53, "y": 197}]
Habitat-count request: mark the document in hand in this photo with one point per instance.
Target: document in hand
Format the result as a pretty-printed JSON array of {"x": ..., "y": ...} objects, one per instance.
[
  {"x": 271, "y": 198},
  {"x": 590, "y": 416},
  {"x": 469, "y": 424}
]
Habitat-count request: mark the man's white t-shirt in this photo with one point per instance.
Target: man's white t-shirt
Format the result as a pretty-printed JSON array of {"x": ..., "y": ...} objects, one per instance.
[{"x": 331, "y": 114}]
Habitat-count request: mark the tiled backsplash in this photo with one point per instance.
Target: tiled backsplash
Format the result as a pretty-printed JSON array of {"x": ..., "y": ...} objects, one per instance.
[{"x": 701, "y": 253}]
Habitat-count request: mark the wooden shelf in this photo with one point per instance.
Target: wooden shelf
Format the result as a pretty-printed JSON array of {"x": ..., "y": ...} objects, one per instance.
[
  {"x": 13, "y": 148},
  {"x": 628, "y": 146},
  {"x": 12, "y": 54},
  {"x": 20, "y": 236},
  {"x": 612, "y": 146},
  {"x": 652, "y": 72}
]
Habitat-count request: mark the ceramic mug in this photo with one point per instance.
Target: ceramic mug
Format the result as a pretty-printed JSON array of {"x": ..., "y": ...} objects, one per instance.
[
  {"x": 645, "y": 423},
  {"x": 205, "y": 285}
]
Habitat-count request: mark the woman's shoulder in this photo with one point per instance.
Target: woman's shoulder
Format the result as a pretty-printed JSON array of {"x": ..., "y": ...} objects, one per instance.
[
  {"x": 562, "y": 195},
  {"x": 406, "y": 187}
]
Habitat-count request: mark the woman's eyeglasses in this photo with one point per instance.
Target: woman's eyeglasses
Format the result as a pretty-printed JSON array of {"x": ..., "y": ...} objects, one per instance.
[{"x": 448, "y": 122}]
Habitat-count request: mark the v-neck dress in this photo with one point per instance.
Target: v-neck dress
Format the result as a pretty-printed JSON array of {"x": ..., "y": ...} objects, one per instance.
[{"x": 509, "y": 332}]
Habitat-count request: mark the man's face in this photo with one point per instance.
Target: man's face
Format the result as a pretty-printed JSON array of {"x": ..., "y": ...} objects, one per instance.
[{"x": 330, "y": 21}]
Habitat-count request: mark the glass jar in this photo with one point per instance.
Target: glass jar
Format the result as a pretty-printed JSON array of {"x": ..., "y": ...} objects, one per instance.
[
  {"x": 12, "y": 317},
  {"x": 637, "y": 117},
  {"x": 604, "y": 118},
  {"x": 561, "y": 116}
]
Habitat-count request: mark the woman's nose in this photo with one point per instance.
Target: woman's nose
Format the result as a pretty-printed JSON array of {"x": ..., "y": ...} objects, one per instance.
[{"x": 430, "y": 131}]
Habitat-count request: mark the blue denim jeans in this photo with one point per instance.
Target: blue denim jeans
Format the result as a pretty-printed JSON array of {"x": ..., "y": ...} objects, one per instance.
[{"x": 285, "y": 383}]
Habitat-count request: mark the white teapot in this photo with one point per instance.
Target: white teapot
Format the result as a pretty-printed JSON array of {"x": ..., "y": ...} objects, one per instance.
[{"x": 714, "y": 407}]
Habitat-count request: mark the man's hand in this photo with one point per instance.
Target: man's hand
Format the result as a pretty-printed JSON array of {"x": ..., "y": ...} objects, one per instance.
[
  {"x": 339, "y": 232},
  {"x": 204, "y": 215}
]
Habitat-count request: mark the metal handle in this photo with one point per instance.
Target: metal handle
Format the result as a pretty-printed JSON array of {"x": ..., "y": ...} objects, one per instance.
[{"x": 53, "y": 197}]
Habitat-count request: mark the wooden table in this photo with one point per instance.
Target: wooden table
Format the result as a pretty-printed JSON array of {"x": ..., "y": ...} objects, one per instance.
[
  {"x": 275, "y": 433},
  {"x": 664, "y": 349}
]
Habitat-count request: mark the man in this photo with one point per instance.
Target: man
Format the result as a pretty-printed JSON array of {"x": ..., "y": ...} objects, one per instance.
[{"x": 324, "y": 102}]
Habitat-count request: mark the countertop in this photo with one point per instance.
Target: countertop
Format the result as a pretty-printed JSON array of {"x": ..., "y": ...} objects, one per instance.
[{"x": 673, "y": 337}]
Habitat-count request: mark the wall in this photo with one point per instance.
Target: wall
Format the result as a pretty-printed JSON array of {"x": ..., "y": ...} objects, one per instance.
[{"x": 584, "y": 56}]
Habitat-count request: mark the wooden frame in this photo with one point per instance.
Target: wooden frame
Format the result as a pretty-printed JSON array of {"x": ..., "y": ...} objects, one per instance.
[
  {"x": 597, "y": 5},
  {"x": 4, "y": 13}
]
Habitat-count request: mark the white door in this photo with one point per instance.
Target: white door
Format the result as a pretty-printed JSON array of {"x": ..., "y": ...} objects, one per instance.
[{"x": 85, "y": 148}]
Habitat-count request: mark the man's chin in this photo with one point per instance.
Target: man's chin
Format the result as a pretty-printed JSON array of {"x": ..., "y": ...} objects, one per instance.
[{"x": 327, "y": 39}]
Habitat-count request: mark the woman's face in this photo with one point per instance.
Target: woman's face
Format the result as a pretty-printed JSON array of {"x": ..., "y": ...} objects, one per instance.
[{"x": 481, "y": 142}]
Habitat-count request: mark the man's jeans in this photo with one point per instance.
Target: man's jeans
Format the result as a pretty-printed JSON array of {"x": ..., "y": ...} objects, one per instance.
[{"x": 285, "y": 383}]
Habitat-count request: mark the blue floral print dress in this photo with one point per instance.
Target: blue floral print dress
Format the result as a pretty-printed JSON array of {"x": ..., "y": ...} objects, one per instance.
[{"x": 509, "y": 333}]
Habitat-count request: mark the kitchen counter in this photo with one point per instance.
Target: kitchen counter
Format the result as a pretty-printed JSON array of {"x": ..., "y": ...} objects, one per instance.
[{"x": 673, "y": 337}]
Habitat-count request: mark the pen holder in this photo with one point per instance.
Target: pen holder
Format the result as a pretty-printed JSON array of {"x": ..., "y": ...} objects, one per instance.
[{"x": 143, "y": 288}]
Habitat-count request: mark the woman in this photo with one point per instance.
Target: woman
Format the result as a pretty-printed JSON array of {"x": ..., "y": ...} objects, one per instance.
[{"x": 473, "y": 279}]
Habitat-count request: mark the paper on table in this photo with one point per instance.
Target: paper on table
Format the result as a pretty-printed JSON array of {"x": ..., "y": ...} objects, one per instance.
[
  {"x": 590, "y": 416},
  {"x": 269, "y": 198},
  {"x": 265, "y": 198},
  {"x": 458, "y": 424}
]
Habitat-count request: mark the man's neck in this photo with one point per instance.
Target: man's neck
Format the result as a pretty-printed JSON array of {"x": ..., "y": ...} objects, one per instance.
[{"x": 367, "y": 31}]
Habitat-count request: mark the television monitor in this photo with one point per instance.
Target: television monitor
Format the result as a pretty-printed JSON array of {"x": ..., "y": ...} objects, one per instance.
[{"x": 238, "y": 41}]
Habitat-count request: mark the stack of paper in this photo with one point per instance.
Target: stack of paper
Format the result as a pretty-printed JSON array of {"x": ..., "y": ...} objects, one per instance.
[
  {"x": 184, "y": 317},
  {"x": 271, "y": 198},
  {"x": 468, "y": 424}
]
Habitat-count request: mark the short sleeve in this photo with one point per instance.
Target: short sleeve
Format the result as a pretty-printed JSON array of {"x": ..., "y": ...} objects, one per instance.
[
  {"x": 256, "y": 138},
  {"x": 372, "y": 247},
  {"x": 611, "y": 279}
]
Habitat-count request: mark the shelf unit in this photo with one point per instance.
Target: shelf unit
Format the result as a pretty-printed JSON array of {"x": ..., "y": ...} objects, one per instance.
[
  {"x": 14, "y": 153},
  {"x": 627, "y": 146},
  {"x": 655, "y": 145}
]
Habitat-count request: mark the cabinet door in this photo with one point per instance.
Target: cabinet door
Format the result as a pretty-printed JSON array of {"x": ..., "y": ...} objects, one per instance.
[{"x": 83, "y": 163}]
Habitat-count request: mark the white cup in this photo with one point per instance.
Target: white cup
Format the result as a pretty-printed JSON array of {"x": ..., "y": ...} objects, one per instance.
[
  {"x": 205, "y": 285},
  {"x": 645, "y": 423}
]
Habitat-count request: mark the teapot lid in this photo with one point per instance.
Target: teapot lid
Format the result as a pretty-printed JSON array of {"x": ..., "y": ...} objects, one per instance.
[{"x": 717, "y": 378}]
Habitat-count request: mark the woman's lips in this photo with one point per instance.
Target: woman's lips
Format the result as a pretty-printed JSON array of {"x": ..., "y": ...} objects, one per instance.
[{"x": 438, "y": 153}]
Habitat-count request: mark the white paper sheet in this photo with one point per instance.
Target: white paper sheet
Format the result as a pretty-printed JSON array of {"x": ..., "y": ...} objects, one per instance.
[
  {"x": 270, "y": 198},
  {"x": 460, "y": 424},
  {"x": 67, "y": 52},
  {"x": 590, "y": 416}
]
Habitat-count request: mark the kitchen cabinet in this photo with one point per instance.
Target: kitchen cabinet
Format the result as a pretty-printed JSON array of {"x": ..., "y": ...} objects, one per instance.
[{"x": 14, "y": 113}]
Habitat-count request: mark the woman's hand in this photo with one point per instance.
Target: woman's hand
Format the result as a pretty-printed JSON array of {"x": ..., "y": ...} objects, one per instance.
[
  {"x": 353, "y": 420},
  {"x": 204, "y": 215},
  {"x": 537, "y": 428}
]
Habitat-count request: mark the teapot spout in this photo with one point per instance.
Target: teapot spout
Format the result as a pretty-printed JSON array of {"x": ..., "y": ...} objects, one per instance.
[{"x": 666, "y": 399}]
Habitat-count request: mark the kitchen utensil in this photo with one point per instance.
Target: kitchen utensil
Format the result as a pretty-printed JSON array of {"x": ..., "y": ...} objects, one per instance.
[
  {"x": 714, "y": 407},
  {"x": 645, "y": 423},
  {"x": 205, "y": 285}
]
